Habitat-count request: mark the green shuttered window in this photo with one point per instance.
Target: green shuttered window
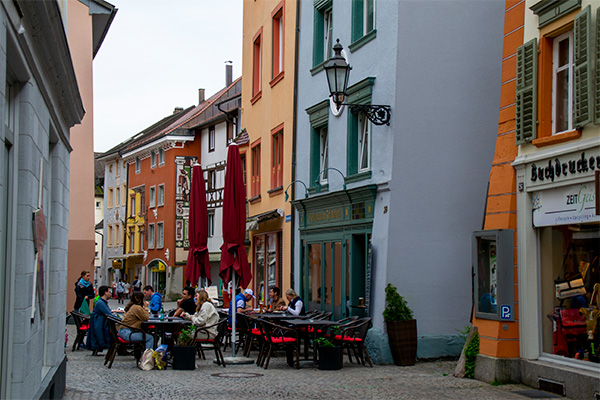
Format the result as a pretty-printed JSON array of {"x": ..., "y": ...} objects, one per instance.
[
  {"x": 526, "y": 113},
  {"x": 582, "y": 113},
  {"x": 597, "y": 96}
]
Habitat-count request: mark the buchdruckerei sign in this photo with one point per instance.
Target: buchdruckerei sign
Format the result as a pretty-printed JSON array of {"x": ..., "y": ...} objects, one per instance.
[{"x": 572, "y": 204}]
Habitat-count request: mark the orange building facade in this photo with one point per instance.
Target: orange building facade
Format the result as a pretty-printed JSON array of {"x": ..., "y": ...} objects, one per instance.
[
  {"x": 542, "y": 198},
  {"x": 268, "y": 116}
]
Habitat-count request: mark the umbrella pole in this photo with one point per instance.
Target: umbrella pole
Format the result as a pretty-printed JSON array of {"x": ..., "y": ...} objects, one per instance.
[{"x": 233, "y": 315}]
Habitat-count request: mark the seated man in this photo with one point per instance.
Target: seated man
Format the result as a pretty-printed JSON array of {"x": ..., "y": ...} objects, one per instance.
[
  {"x": 98, "y": 337},
  {"x": 155, "y": 299},
  {"x": 186, "y": 303},
  {"x": 240, "y": 302},
  {"x": 276, "y": 301}
]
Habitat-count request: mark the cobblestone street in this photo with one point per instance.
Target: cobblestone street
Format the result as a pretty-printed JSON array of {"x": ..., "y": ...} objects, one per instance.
[{"x": 87, "y": 378}]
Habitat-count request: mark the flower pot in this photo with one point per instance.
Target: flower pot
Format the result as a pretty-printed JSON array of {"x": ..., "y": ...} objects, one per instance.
[
  {"x": 330, "y": 358},
  {"x": 184, "y": 357},
  {"x": 403, "y": 341}
]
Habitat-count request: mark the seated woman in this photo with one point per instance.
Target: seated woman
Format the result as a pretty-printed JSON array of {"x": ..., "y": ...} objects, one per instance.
[
  {"x": 136, "y": 312},
  {"x": 295, "y": 304},
  {"x": 206, "y": 315}
]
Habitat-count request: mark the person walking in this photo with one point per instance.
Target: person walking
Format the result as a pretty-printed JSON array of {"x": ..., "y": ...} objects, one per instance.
[{"x": 121, "y": 291}]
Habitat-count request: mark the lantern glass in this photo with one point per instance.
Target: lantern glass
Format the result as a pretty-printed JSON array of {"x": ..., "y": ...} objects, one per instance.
[{"x": 337, "y": 72}]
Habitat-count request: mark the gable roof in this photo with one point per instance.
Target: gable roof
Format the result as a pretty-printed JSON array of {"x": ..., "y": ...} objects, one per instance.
[{"x": 187, "y": 119}]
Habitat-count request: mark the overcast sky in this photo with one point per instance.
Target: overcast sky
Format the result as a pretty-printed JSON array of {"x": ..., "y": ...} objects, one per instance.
[{"x": 156, "y": 56}]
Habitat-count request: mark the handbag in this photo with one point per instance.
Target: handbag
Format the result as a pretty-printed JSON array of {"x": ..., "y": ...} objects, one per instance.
[{"x": 85, "y": 308}]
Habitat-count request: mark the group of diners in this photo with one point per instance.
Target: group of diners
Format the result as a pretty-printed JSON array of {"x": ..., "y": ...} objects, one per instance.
[{"x": 295, "y": 304}]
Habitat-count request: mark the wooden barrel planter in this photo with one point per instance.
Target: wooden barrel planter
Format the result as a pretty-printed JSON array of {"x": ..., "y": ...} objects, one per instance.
[{"x": 402, "y": 336}]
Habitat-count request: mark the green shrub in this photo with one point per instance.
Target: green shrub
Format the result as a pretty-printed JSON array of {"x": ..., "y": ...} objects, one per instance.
[
  {"x": 396, "y": 308},
  {"x": 471, "y": 356},
  {"x": 324, "y": 342}
]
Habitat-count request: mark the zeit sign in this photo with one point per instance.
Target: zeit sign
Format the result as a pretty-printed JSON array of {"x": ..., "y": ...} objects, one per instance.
[{"x": 572, "y": 204}]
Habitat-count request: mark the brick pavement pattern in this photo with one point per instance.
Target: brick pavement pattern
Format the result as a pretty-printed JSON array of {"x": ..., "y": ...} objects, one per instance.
[{"x": 88, "y": 378}]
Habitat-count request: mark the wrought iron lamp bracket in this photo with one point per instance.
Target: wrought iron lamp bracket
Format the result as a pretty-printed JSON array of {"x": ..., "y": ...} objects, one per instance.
[{"x": 377, "y": 114}]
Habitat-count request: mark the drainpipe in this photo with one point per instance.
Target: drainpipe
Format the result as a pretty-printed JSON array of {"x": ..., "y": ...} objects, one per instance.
[{"x": 294, "y": 134}]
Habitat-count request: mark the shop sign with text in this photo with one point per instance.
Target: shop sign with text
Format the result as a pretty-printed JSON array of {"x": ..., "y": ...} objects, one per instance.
[{"x": 574, "y": 204}]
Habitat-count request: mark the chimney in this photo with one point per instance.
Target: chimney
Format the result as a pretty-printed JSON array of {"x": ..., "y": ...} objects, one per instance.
[
  {"x": 228, "y": 73},
  {"x": 200, "y": 96},
  {"x": 177, "y": 110}
]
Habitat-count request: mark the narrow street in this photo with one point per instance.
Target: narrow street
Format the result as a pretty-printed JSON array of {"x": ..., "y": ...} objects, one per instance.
[{"x": 426, "y": 380}]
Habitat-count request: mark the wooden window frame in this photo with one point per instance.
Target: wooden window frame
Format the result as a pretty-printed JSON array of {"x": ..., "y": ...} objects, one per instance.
[
  {"x": 278, "y": 43},
  {"x": 545, "y": 93},
  {"x": 277, "y": 156},
  {"x": 257, "y": 66},
  {"x": 255, "y": 170},
  {"x": 161, "y": 157}
]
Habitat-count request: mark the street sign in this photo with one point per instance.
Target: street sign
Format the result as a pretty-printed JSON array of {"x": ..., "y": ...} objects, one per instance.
[{"x": 505, "y": 312}]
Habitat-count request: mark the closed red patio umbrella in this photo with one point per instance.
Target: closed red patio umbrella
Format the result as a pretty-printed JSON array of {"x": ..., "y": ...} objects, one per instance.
[
  {"x": 233, "y": 252},
  {"x": 234, "y": 261},
  {"x": 198, "y": 264}
]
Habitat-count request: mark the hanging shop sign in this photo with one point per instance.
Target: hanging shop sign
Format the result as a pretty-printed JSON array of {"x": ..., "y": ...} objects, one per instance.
[
  {"x": 117, "y": 264},
  {"x": 161, "y": 267},
  {"x": 573, "y": 204}
]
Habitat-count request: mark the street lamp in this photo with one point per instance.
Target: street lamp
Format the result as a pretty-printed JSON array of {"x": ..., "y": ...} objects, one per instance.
[
  {"x": 337, "y": 71},
  {"x": 318, "y": 180}
]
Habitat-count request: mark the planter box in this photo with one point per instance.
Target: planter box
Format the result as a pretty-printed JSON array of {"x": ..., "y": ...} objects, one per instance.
[
  {"x": 403, "y": 341},
  {"x": 184, "y": 357},
  {"x": 330, "y": 358}
]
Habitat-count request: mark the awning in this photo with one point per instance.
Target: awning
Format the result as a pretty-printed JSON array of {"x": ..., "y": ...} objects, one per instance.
[
  {"x": 252, "y": 222},
  {"x": 124, "y": 256}
]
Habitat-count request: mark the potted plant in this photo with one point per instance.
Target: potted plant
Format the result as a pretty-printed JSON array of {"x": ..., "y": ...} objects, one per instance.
[
  {"x": 401, "y": 327},
  {"x": 330, "y": 355},
  {"x": 184, "y": 351}
]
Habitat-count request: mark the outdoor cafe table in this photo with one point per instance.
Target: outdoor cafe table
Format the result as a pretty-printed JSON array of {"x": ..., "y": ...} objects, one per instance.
[
  {"x": 276, "y": 317},
  {"x": 306, "y": 323},
  {"x": 161, "y": 328}
]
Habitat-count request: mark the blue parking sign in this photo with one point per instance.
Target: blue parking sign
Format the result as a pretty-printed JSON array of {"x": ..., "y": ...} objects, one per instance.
[{"x": 505, "y": 312}]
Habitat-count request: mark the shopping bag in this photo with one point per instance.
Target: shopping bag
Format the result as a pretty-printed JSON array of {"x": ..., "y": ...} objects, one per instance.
[
  {"x": 85, "y": 308},
  {"x": 147, "y": 360}
]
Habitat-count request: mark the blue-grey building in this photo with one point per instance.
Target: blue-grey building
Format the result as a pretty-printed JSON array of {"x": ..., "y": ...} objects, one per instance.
[
  {"x": 396, "y": 203},
  {"x": 40, "y": 101}
]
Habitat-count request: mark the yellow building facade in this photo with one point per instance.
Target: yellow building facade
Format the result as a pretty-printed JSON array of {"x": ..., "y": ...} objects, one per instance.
[{"x": 268, "y": 116}]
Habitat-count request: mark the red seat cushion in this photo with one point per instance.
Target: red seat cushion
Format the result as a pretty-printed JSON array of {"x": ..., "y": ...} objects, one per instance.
[
  {"x": 347, "y": 338},
  {"x": 256, "y": 331},
  {"x": 283, "y": 339},
  {"x": 83, "y": 328},
  {"x": 150, "y": 327},
  {"x": 121, "y": 340},
  {"x": 205, "y": 340}
]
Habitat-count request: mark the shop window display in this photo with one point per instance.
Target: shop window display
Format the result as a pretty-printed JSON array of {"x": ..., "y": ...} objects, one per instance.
[{"x": 571, "y": 290}]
